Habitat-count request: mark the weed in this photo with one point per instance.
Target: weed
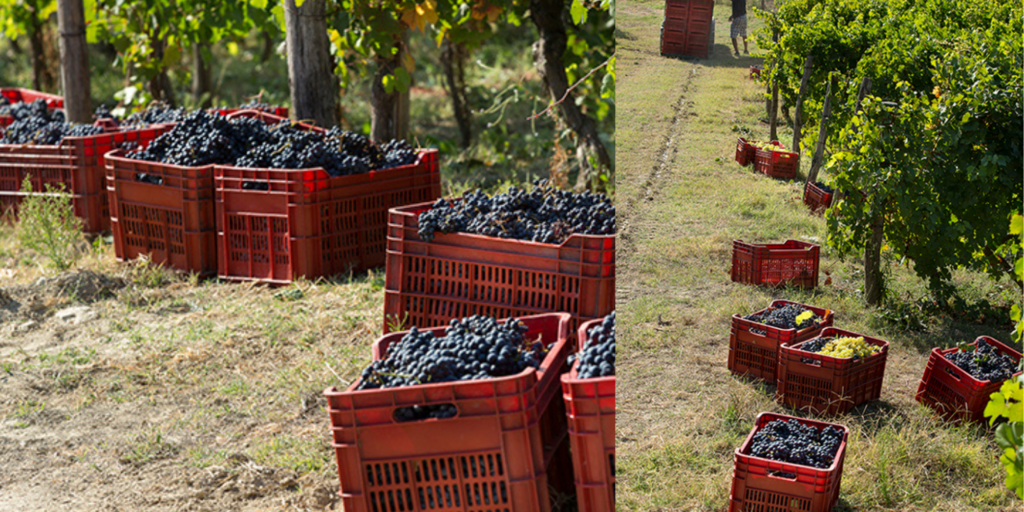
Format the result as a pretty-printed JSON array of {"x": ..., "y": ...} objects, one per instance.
[
  {"x": 146, "y": 447},
  {"x": 48, "y": 226}
]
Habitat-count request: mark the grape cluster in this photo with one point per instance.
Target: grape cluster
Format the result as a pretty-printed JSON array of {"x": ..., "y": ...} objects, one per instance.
[
  {"x": 155, "y": 113},
  {"x": 984, "y": 363},
  {"x": 22, "y": 110},
  {"x": 846, "y": 347},
  {"x": 827, "y": 189},
  {"x": 200, "y": 138},
  {"x": 544, "y": 214},
  {"x": 597, "y": 359},
  {"x": 477, "y": 347},
  {"x": 790, "y": 441},
  {"x": 36, "y": 124},
  {"x": 785, "y": 317}
]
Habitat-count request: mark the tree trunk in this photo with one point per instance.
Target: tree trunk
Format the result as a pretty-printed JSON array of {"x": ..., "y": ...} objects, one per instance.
[
  {"x": 41, "y": 79},
  {"x": 773, "y": 119},
  {"x": 591, "y": 154},
  {"x": 873, "y": 263},
  {"x": 798, "y": 117},
  {"x": 160, "y": 86},
  {"x": 453, "y": 59},
  {"x": 314, "y": 89},
  {"x": 819, "y": 148},
  {"x": 268, "y": 46},
  {"x": 74, "y": 59},
  {"x": 201, "y": 79}
]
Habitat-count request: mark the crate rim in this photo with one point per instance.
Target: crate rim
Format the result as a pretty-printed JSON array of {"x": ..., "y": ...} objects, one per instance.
[
  {"x": 322, "y": 174},
  {"x": 834, "y": 330},
  {"x": 564, "y": 319},
  {"x": 771, "y": 416},
  {"x": 419, "y": 208},
  {"x": 941, "y": 352}
]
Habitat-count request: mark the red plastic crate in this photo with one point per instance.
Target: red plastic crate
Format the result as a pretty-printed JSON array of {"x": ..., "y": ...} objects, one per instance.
[
  {"x": 688, "y": 28},
  {"x": 590, "y": 409},
  {"x": 460, "y": 274},
  {"x": 170, "y": 216},
  {"x": 490, "y": 456},
  {"x": 755, "y": 71},
  {"x": 817, "y": 199},
  {"x": 955, "y": 394},
  {"x": 76, "y": 165},
  {"x": 308, "y": 223},
  {"x": 762, "y": 485},
  {"x": 745, "y": 150},
  {"x": 829, "y": 385},
  {"x": 776, "y": 164},
  {"x": 792, "y": 263},
  {"x": 754, "y": 354}
]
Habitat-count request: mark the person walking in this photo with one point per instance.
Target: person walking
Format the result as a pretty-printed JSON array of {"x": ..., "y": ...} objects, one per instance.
[{"x": 739, "y": 25}]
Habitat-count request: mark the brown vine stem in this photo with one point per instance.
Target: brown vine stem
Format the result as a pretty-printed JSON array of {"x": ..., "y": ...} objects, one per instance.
[{"x": 567, "y": 91}]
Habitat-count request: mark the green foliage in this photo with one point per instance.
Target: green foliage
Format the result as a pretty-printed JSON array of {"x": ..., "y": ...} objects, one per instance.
[
  {"x": 19, "y": 17},
  {"x": 48, "y": 226},
  {"x": 1008, "y": 402},
  {"x": 936, "y": 150}
]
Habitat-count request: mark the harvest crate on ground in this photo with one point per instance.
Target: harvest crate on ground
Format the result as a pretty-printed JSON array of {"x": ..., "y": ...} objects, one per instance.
[
  {"x": 817, "y": 199},
  {"x": 167, "y": 211},
  {"x": 688, "y": 29},
  {"x": 76, "y": 165},
  {"x": 490, "y": 456},
  {"x": 460, "y": 274},
  {"x": 792, "y": 263},
  {"x": 829, "y": 385},
  {"x": 590, "y": 409},
  {"x": 760, "y": 484},
  {"x": 776, "y": 164},
  {"x": 745, "y": 150},
  {"x": 952, "y": 392},
  {"x": 754, "y": 347},
  {"x": 19, "y": 95},
  {"x": 276, "y": 225}
]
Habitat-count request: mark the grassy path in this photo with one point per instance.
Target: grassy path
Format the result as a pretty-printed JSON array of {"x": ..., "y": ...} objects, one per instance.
[{"x": 682, "y": 201}]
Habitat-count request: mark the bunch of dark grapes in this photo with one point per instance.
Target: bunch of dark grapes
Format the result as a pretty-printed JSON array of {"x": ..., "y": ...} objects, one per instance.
[
  {"x": 544, "y": 214},
  {"x": 36, "y": 124},
  {"x": 102, "y": 112},
  {"x": 824, "y": 187},
  {"x": 985, "y": 363},
  {"x": 256, "y": 104},
  {"x": 397, "y": 153},
  {"x": 290, "y": 148},
  {"x": 815, "y": 345},
  {"x": 784, "y": 317},
  {"x": 155, "y": 113},
  {"x": 597, "y": 359},
  {"x": 201, "y": 138},
  {"x": 473, "y": 348},
  {"x": 790, "y": 441}
]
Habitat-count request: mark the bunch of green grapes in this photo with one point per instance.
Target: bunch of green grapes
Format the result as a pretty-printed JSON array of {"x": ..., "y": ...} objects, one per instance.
[
  {"x": 768, "y": 146},
  {"x": 842, "y": 348}
]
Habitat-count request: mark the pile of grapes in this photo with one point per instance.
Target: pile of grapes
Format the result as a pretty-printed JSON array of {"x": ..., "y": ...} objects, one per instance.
[
  {"x": 827, "y": 189},
  {"x": 768, "y": 146},
  {"x": 544, "y": 214},
  {"x": 597, "y": 359},
  {"x": 155, "y": 113},
  {"x": 790, "y": 441},
  {"x": 200, "y": 138},
  {"x": 790, "y": 316},
  {"x": 846, "y": 347},
  {"x": 473, "y": 348},
  {"x": 36, "y": 124},
  {"x": 984, "y": 363}
]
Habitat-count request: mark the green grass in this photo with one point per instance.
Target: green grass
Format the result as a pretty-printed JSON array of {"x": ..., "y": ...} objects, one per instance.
[{"x": 682, "y": 200}]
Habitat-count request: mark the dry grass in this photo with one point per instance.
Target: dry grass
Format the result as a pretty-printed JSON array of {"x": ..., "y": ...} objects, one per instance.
[
  {"x": 173, "y": 378},
  {"x": 682, "y": 200}
]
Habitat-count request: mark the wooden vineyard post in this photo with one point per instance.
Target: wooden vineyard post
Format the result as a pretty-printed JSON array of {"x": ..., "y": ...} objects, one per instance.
[
  {"x": 314, "y": 89},
  {"x": 819, "y": 148},
  {"x": 74, "y": 61}
]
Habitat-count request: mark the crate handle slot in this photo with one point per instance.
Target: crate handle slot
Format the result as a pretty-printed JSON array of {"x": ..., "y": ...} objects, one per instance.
[
  {"x": 149, "y": 178},
  {"x": 781, "y": 475},
  {"x": 952, "y": 373},
  {"x": 434, "y": 412},
  {"x": 255, "y": 185}
]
